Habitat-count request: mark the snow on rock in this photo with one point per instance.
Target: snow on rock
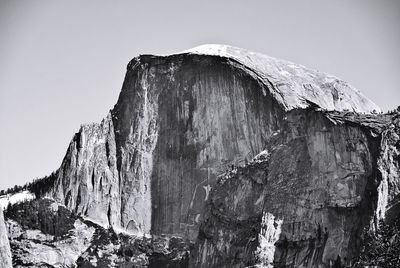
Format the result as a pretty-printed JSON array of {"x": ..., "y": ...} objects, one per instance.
[
  {"x": 293, "y": 85},
  {"x": 262, "y": 156},
  {"x": 268, "y": 236},
  {"x": 209, "y": 49},
  {"x": 15, "y": 198}
]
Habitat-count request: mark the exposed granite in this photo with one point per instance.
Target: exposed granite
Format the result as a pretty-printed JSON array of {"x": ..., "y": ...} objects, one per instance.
[
  {"x": 308, "y": 203},
  {"x": 5, "y": 252}
]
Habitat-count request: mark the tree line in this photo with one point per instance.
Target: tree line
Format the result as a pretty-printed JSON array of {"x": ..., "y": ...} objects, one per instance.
[{"x": 38, "y": 186}]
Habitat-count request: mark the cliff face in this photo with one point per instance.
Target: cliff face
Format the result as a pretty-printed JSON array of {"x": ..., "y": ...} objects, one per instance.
[
  {"x": 180, "y": 121},
  {"x": 204, "y": 116},
  {"x": 173, "y": 155},
  {"x": 145, "y": 171},
  {"x": 305, "y": 203},
  {"x": 389, "y": 166},
  {"x": 5, "y": 252},
  {"x": 88, "y": 177}
]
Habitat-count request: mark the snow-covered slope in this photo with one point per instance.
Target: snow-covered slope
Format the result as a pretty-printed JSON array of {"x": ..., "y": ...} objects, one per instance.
[
  {"x": 15, "y": 198},
  {"x": 293, "y": 85}
]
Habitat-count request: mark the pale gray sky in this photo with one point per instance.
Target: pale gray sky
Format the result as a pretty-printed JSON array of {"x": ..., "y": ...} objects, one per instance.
[{"x": 62, "y": 63}]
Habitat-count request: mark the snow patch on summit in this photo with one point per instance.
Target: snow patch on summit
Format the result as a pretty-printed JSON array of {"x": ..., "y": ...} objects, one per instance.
[{"x": 209, "y": 49}]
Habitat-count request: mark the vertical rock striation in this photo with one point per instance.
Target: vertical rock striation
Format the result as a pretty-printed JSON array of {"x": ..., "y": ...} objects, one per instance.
[
  {"x": 149, "y": 172},
  {"x": 308, "y": 202},
  {"x": 88, "y": 177},
  {"x": 389, "y": 167}
]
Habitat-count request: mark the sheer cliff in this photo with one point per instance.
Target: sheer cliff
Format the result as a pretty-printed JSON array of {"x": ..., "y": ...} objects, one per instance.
[
  {"x": 307, "y": 199},
  {"x": 253, "y": 160},
  {"x": 180, "y": 121}
]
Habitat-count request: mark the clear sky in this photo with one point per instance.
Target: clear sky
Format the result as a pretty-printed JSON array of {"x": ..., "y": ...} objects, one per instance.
[{"x": 62, "y": 63}]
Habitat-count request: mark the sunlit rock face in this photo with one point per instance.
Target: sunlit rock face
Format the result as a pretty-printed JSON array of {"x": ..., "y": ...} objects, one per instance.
[
  {"x": 5, "y": 252},
  {"x": 307, "y": 201},
  {"x": 88, "y": 182},
  {"x": 389, "y": 166},
  {"x": 43, "y": 233}
]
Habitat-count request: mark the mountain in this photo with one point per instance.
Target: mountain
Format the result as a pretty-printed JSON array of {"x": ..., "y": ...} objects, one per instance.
[{"x": 221, "y": 157}]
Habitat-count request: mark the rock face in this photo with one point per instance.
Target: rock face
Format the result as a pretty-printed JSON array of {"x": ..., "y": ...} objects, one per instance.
[
  {"x": 257, "y": 161},
  {"x": 389, "y": 167},
  {"x": 88, "y": 181},
  {"x": 180, "y": 121},
  {"x": 5, "y": 252},
  {"x": 43, "y": 233},
  {"x": 305, "y": 204}
]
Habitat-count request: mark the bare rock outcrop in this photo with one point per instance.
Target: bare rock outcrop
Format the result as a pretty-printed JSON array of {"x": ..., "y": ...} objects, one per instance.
[
  {"x": 389, "y": 166},
  {"x": 306, "y": 204},
  {"x": 88, "y": 181},
  {"x": 43, "y": 233},
  {"x": 5, "y": 252}
]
